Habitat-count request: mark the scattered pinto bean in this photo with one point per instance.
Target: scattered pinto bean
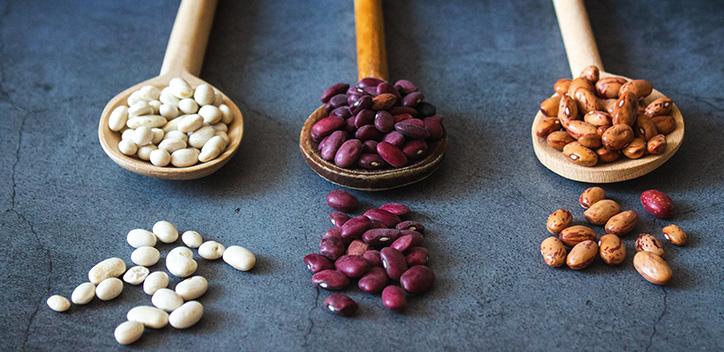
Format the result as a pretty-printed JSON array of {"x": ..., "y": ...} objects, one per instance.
[
  {"x": 601, "y": 211},
  {"x": 656, "y": 145},
  {"x": 652, "y": 268},
  {"x": 622, "y": 223},
  {"x": 582, "y": 255},
  {"x": 576, "y": 234},
  {"x": 675, "y": 235},
  {"x": 559, "y": 220},
  {"x": 553, "y": 252},
  {"x": 649, "y": 243},
  {"x": 611, "y": 249},
  {"x": 590, "y": 196}
]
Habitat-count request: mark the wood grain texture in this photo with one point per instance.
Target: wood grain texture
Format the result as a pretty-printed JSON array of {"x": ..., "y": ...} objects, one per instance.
[
  {"x": 577, "y": 35},
  {"x": 189, "y": 36},
  {"x": 370, "y": 32}
]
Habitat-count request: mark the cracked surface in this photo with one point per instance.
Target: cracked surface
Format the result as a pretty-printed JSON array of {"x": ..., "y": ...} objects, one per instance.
[{"x": 64, "y": 205}]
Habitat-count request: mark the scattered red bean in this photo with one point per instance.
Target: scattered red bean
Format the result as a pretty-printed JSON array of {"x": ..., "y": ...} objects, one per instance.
[
  {"x": 341, "y": 200},
  {"x": 330, "y": 279},
  {"x": 383, "y": 216},
  {"x": 338, "y": 218},
  {"x": 380, "y": 237},
  {"x": 317, "y": 262},
  {"x": 355, "y": 227},
  {"x": 374, "y": 281},
  {"x": 417, "y": 279},
  {"x": 394, "y": 262},
  {"x": 393, "y": 297},
  {"x": 332, "y": 247},
  {"x": 405, "y": 242},
  {"x": 354, "y": 266},
  {"x": 417, "y": 256},
  {"x": 372, "y": 256},
  {"x": 357, "y": 247},
  {"x": 396, "y": 208},
  {"x": 411, "y": 225},
  {"x": 341, "y": 304},
  {"x": 657, "y": 203}
]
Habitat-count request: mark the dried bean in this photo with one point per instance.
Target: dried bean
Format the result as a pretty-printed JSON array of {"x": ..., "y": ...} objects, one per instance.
[
  {"x": 384, "y": 122},
  {"x": 553, "y": 252},
  {"x": 373, "y": 257},
  {"x": 380, "y": 236},
  {"x": 582, "y": 255},
  {"x": 383, "y": 101},
  {"x": 546, "y": 126},
  {"x": 317, "y": 262},
  {"x": 354, "y": 266},
  {"x": 411, "y": 225},
  {"x": 549, "y": 106},
  {"x": 341, "y": 304},
  {"x": 415, "y": 149},
  {"x": 675, "y": 235},
  {"x": 576, "y": 234},
  {"x": 608, "y": 87},
  {"x": 368, "y": 132},
  {"x": 559, "y": 220},
  {"x": 590, "y": 196},
  {"x": 393, "y": 297},
  {"x": 652, "y": 267},
  {"x": 338, "y": 88},
  {"x": 412, "y": 128},
  {"x": 394, "y": 262},
  {"x": 417, "y": 256},
  {"x": 348, "y": 153},
  {"x": 330, "y": 144},
  {"x": 383, "y": 216},
  {"x": 636, "y": 149},
  {"x": 649, "y": 243},
  {"x": 417, "y": 279},
  {"x": 355, "y": 227},
  {"x": 559, "y": 139},
  {"x": 396, "y": 209},
  {"x": 617, "y": 137},
  {"x": 579, "y": 154},
  {"x": 363, "y": 118},
  {"x": 395, "y": 138},
  {"x": 656, "y": 145},
  {"x": 622, "y": 223},
  {"x": 645, "y": 128},
  {"x": 601, "y": 211},
  {"x": 357, "y": 247},
  {"x": 611, "y": 249},
  {"x": 338, "y": 218},
  {"x": 591, "y": 73},
  {"x": 657, "y": 203},
  {"x": 371, "y": 161},
  {"x": 326, "y": 126},
  {"x": 660, "y": 106},
  {"x": 374, "y": 281},
  {"x": 665, "y": 124},
  {"x": 561, "y": 86},
  {"x": 405, "y": 242},
  {"x": 342, "y": 200},
  {"x": 332, "y": 247},
  {"x": 330, "y": 280}
]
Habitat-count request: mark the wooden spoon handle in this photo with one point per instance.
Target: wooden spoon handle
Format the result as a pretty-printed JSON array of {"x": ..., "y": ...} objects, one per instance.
[
  {"x": 190, "y": 33},
  {"x": 577, "y": 35},
  {"x": 369, "y": 27}
]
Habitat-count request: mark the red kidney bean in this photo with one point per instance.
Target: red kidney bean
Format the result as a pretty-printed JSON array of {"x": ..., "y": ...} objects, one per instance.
[
  {"x": 398, "y": 110},
  {"x": 364, "y": 102},
  {"x": 374, "y": 281},
  {"x": 354, "y": 266},
  {"x": 371, "y": 161},
  {"x": 357, "y": 247},
  {"x": 394, "y": 262},
  {"x": 337, "y": 88},
  {"x": 330, "y": 144},
  {"x": 657, "y": 203},
  {"x": 417, "y": 279},
  {"x": 417, "y": 256},
  {"x": 385, "y": 87},
  {"x": 393, "y": 297},
  {"x": 402, "y": 117},
  {"x": 341, "y": 200},
  {"x": 373, "y": 257},
  {"x": 368, "y": 132},
  {"x": 330, "y": 279},
  {"x": 338, "y": 218},
  {"x": 369, "y": 146},
  {"x": 412, "y": 129},
  {"x": 415, "y": 149},
  {"x": 355, "y": 227},
  {"x": 377, "y": 225},
  {"x": 380, "y": 237},
  {"x": 405, "y": 86},
  {"x": 412, "y": 99},
  {"x": 369, "y": 82},
  {"x": 396, "y": 208},
  {"x": 411, "y": 225},
  {"x": 326, "y": 126},
  {"x": 317, "y": 262},
  {"x": 391, "y": 154},
  {"x": 332, "y": 247},
  {"x": 405, "y": 242},
  {"x": 338, "y": 100},
  {"x": 349, "y": 125},
  {"x": 342, "y": 111},
  {"x": 348, "y": 153},
  {"x": 395, "y": 138},
  {"x": 426, "y": 109},
  {"x": 383, "y": 216},
  {"x": 434, "y": 125},
  {"x": 384, "y": 122},
  {"x": 364, "y": 117},
  {"x": 384, "y": 101},
  {"x": 341, "y": 304},
  {"x": 333, "y": 232}
]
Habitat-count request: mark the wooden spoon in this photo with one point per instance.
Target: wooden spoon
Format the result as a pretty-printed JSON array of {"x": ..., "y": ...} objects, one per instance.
[
  {"x": 371, "y": 62},
  {"x": 582, "y": 51},
  {"x": 184, "y": 57}
]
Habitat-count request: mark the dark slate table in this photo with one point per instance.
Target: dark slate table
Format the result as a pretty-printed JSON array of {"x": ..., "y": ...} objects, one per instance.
[{"x": 486, "y": 64}]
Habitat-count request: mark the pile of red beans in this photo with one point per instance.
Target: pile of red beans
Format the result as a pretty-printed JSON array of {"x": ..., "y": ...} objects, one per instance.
[
  {"x": 378, "y": 249},
  {"x": 376, "y": 125}
]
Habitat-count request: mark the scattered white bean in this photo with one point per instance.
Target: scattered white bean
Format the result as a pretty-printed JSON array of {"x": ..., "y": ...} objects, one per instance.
[
  {"x": 213, "y": 147},
  {"x": 146, "y": 120},
  {"x": 58, "y": 303},
  {"x": 165, "y": 231},
  {"x": 160, "y": 157},
  {"x": 239, "y": 258},
  {"x": 228, "y": 115},
  {"x": 145, "y": 256},
  {"x": 180, "y": 266},
  {"x": 141, "y": 238},
  {"x": 136, "y": 275},
  {"x": 211, "y": 114},
  {"x": 185, "y": 157},
  {"x": 128, "y": 332},
  {"x": 211, "y": 250},
  {"x": 83, "y": 294},
  {"x": 150, "y": 317},
  {"x": 166, "y": 299},
  {"x": 191, "y": 239},
  {"x": 188, "y": 106},
  {"x": 180, "y": 88},
  {"x": 204, "y": 94},
  {"x": 127, "y": 147},
  {"x": 189, "y": 123},
  {"x": 118, "y": 118},
  {"x": 198, "y": 138},
  {"x": 155, "y": 281},
  {"x": 109, "y": 289},
  {"x": 187, "y": 315},
  {"x": 192, "y": 288},
  {"x": 111, "y": 267},
  {"x": 182, "y": 251}
]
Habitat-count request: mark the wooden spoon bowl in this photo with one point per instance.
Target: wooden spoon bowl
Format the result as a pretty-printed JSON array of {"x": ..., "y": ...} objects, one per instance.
[{"x": 367, "y": 180}]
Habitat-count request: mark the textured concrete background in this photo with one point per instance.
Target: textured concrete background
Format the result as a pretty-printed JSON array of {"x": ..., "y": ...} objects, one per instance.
[{"x": 486, "y": 64}]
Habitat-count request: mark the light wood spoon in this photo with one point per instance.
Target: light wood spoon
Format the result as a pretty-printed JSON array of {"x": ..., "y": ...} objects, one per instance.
[
  {"x": 184, "y": 57},
  {"x": 582, "y": 51},
  {"x": 371, "y": 62}
]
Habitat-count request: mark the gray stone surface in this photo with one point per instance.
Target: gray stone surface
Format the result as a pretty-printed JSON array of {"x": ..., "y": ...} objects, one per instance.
[{"x": 486, "y": 64}]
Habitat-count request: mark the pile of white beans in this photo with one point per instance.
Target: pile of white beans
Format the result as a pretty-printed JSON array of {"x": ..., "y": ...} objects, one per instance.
[
  {"x": 176, "y": 125},
  {"x": 177, "y": 307}
]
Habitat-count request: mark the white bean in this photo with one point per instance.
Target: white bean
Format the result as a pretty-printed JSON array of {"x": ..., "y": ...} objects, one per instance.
[
  {"x": 213, "y": 147},
  {"x": 180, "y": 266},
  {"x": 182, "y": 251},
  {"x": 140, "y": 238},
  {"x": 155, "y": 281},
  {"x": 128, "y": 332},
  {"x": 140, "y": 108},
  {"x": 228, "y": 115},
  {"x": 191, "y": 239},
  {"x": 218, "y": 98},
  {"x": 150, "y": 317},
  {"x": 158, "y": 135},
  {"x": 169, "y": 111},
  {"x": 83, "y": 294},
  {"x": 172, "y": 145},
  {"x": 136, "y": 275},
  {"x": 171, "y": 125},
  {"x": 199, "y": 137},
  {"x": 144, "y": 153},
  {"x": 223, "y": 136},
  {"x": 145, "y": 256},
  {"x": 118, "y": 118},
  {"x": 239, "y": 258},
  {"x": 165, "y": 231},
  {"x": 180, "y": 88},
  {"x": 146, "y": 120},
  {"x": 220, "y": 127},
  {"x": 111, "y": 267},
  {"x": 204, "y": 94},
  {"x": 187, "y": 315},
  {"x": 156, "y": 106},
  {"x": 166, "y": 299},
  {"x": 160, "y": 157},
  {"x": 188, "y": 106},
  {"x": 127, "y": 147},
  {"x": 127, "y": 134},
  {"x": 109, "y": 289},
  {"x": 192, "y": 288},
  {"x": 176, "y": 134},
  {"x": 58, "y": 303},
  {"x": 211, "y": 114},
  {"x": 149, "y": 93},
  {"x": 185, "y": 157},
  {"x": 189, "y": 123},
  {"x": 211, "y": 250},
  {"x": 167, "y": 97},
  {"x": 135, "y": 97},
  {"x": 142, "y": 136}
]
